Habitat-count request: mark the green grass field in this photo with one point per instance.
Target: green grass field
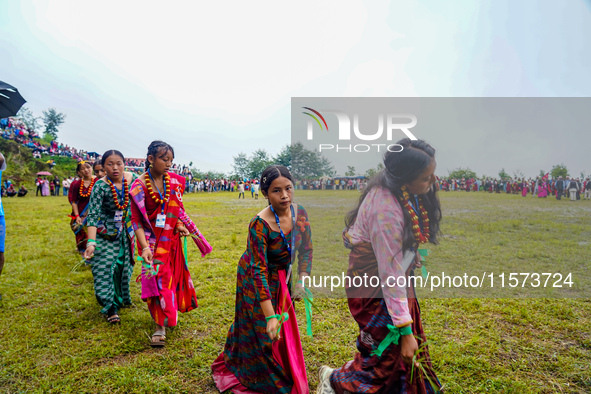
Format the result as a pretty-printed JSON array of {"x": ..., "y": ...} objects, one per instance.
[{"x": 54, "y": 340}]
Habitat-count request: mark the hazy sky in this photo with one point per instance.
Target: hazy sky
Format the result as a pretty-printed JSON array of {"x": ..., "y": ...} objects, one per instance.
[{"x": 215, "y": 78}]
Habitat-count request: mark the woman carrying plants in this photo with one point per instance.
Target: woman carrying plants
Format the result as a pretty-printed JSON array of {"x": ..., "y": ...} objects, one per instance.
[
  {"x": 398, "y": 211},
  {"x": 263, "y": 352},
  {"x": 109, "y": 248},
  {"x": 159, "y": 220}
]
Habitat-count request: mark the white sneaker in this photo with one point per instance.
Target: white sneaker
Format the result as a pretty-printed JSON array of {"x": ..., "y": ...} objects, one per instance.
[{"x": 324, "y": 386}]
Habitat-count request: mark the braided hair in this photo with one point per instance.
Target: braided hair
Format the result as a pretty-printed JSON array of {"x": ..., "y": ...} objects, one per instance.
[{"x": 155, "y": 148}]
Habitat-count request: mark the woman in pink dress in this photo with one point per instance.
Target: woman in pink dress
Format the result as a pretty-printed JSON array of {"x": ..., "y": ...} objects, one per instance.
[
  {"x": 542, "y": 189},
  {"x": 398, "y": 211},
  {"x": 524, "y": 188}
]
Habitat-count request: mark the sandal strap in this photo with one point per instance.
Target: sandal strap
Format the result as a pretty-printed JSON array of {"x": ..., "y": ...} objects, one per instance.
[{"x": 161, "y": 339}]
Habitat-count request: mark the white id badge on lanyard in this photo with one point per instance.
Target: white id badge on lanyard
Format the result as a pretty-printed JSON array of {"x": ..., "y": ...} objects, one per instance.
[
  {"x": 119, "y": 216},
  {"x": 160, "y": 219}
]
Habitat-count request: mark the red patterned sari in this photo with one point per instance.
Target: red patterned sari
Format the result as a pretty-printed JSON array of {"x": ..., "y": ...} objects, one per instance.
[{"x": 176, "y": 292}]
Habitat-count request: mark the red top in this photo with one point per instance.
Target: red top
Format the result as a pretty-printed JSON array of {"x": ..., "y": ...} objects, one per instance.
[{"x": 74, "y": 196}]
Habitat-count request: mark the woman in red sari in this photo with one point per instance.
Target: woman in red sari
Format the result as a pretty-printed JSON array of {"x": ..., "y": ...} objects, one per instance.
[
  {"x": 159, "y": 220},
  {"x": 79, "y": 196}
]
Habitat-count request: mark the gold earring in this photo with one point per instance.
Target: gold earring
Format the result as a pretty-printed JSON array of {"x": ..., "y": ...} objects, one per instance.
[{"x": 150, "y": 165}]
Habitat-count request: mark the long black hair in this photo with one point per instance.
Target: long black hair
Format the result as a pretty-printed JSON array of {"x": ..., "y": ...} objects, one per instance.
[
  {"x": 401, "y": 168},
  {"x": 271, "y": 173},
  {"x": 156, "y": 147}
]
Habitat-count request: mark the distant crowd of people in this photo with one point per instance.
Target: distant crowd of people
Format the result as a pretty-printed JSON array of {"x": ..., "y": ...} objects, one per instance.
[
  {"x": 14, "y": 129},
  {"x": 47, "y": 186},
  {"x": 246, "y": 185},
  {"x": 8, "y": 190},
  {"x": 540, "y": 187}
]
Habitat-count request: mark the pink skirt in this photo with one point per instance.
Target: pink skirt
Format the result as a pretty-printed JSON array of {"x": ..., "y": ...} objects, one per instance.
[{"x": 287, "y": 351}]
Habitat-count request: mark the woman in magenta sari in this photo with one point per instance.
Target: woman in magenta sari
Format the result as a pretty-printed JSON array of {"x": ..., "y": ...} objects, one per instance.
[
  {"x": 524, "y": 188},
  {"x": 542, "y": 189},
  {"x": 159, "y": 220},
  {"x": 263, "y": 352}
]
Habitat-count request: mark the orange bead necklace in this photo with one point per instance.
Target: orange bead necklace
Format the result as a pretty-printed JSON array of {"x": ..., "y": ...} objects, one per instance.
[
  {"x": 158, "y": 199},
  {"x": 421, "y": 237},
  {"x": 89, "y": 190},
  {"x": 116, "y": 197}
]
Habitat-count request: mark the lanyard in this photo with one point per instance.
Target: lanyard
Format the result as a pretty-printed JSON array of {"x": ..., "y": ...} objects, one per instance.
[
  {"x": 120, "y": 195},
  {"x": 281, "y": 231},
  {"x": 417, "y": 210},
  {"x": 160, "y": 194}
]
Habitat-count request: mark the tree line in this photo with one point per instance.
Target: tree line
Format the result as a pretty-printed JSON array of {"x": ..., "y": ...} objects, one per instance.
[
  {"x": 554, "y": 173},
  {"x": 303, "y": 163}
]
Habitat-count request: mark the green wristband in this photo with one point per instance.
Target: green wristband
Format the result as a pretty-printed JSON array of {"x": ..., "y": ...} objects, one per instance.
[
  {"x": 282, "y": 319},
  {"x": 406, "y": 330}
]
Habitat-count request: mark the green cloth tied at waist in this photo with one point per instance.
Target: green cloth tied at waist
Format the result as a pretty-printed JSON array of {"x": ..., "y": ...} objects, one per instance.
[{"x": 392, "y": 337}]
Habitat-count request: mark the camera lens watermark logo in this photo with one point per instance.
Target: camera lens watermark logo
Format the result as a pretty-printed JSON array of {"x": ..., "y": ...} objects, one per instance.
[
  {"x": 316, "y": 119},
  {"x": 389, "y": 124}
]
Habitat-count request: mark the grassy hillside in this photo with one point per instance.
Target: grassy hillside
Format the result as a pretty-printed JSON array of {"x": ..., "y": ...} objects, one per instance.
[{"x": 22, "y": 167}]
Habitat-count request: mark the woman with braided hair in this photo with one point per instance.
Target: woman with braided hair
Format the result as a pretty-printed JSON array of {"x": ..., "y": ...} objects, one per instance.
[
  {"x": 159, "y": 220},
  {"x": 398, "y": 211}
]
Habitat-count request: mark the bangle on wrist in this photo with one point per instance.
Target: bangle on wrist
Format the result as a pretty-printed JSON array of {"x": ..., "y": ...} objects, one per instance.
[
  {"x": 90, "y": 241},
  {"x": 147, "y": 247}
]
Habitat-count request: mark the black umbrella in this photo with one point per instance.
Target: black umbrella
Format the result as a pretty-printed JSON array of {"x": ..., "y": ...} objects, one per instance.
[{"x": 10, "y": 100}]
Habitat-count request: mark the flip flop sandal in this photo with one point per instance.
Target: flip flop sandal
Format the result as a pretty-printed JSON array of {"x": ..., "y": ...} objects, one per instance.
[
  {"x": 114, "y": 319},
  {"x": 158, "y": 339}
]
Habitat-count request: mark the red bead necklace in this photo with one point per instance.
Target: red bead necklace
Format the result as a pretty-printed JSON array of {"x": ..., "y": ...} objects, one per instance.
[
  {"x": 420, "y": 237},
  {"x": 125, "y": 194},
  {"x": 89, "y": 190},
  {"x": 156, "y": 197}
]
